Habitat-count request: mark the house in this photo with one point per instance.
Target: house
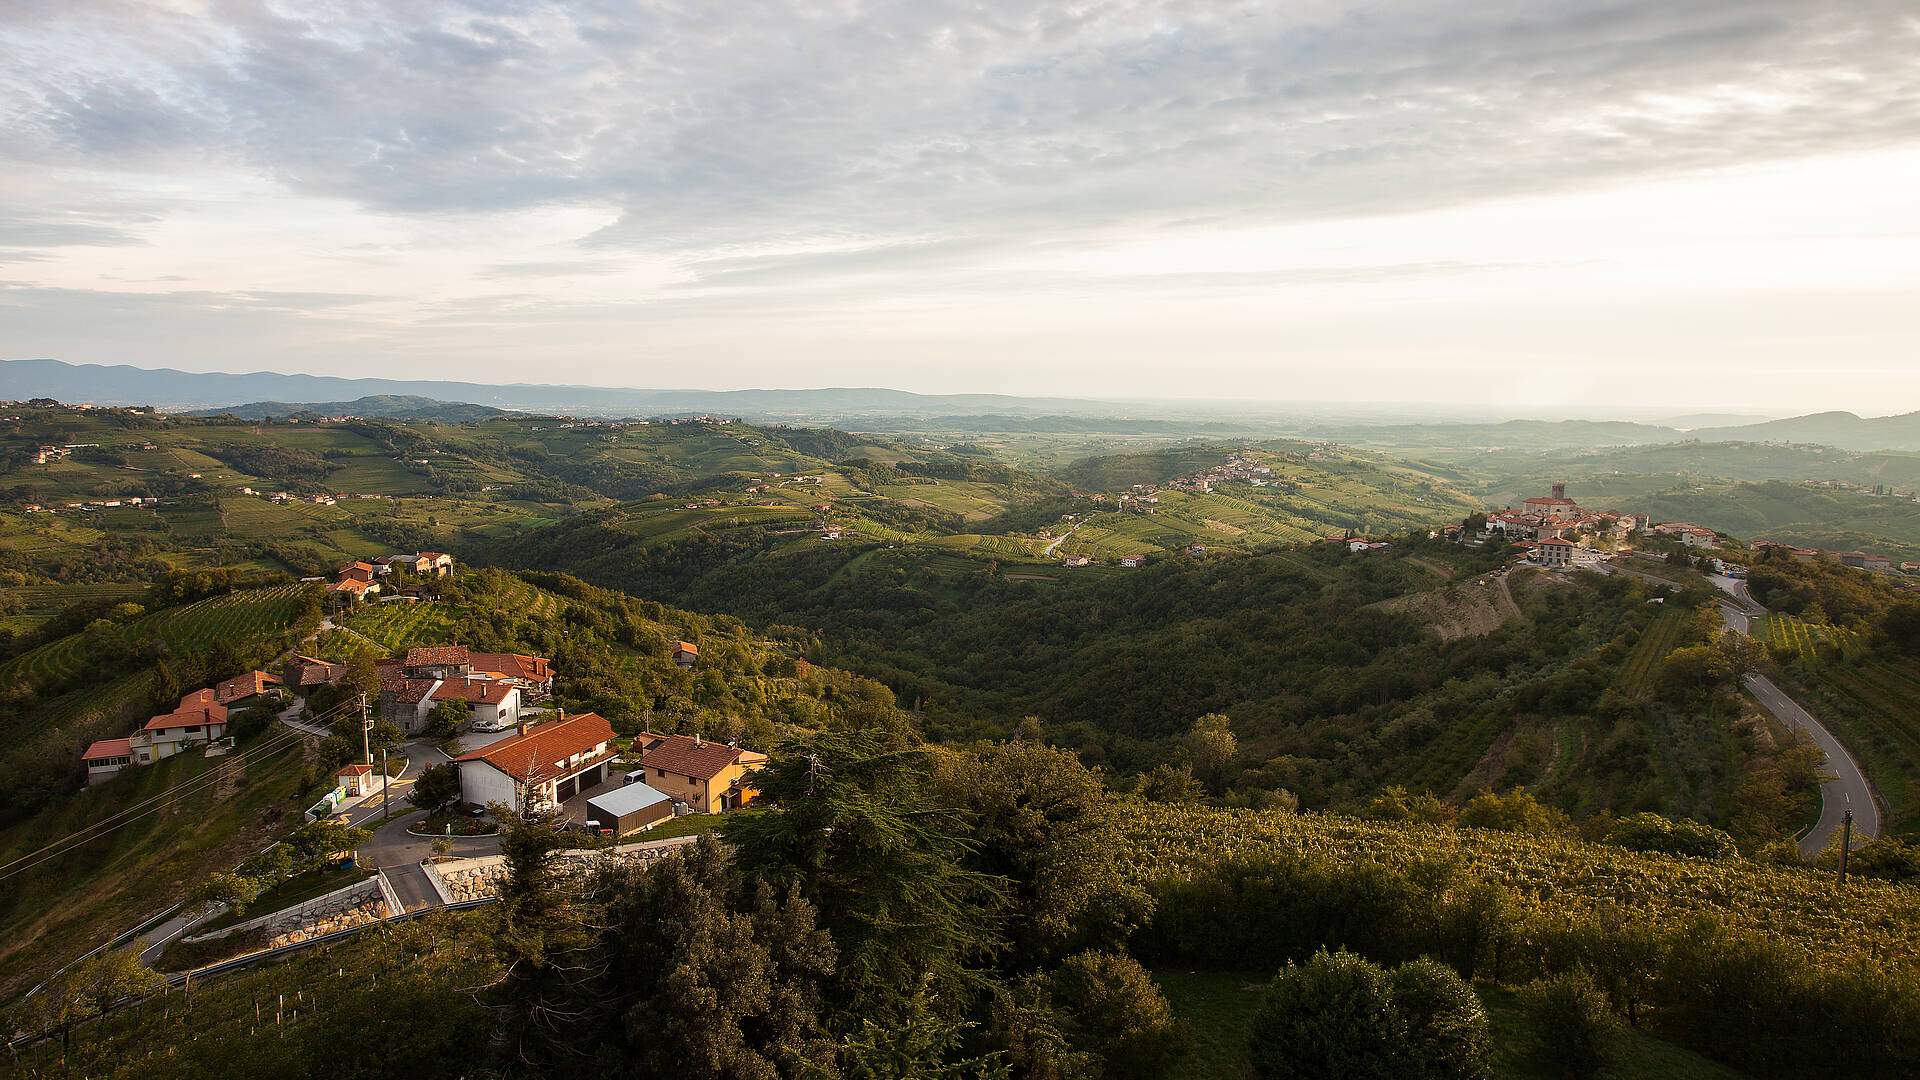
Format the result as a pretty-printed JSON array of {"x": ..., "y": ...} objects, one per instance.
[
  {"x": 492, "y": 705},
  {"x": 243, "y": 690},
  {"x": 438, "y": 662},
  {"x": 106, "y": 758},
  {"x": 630, "y": 808},
  {"x": 549, "y": 764},
  {"x": 708, "y": 776},
  {"x": 439, "y": 563},
  {"x": 193, "y": 723},
  {"x": 686, "y": 653},
  {"x": 532, "y": 674},
  {"x": 355, "y": 779},
  {"x": 1554, "y": 551},
  {"x": 1197, "y": 549},
  {"x": 1356, "y": 545},
  {"x": 358, "y": 590},
  {"x": 303, "y": 674},
  {"x": 1133, "y": 560},
  {"x": 1077, "y": 560}
]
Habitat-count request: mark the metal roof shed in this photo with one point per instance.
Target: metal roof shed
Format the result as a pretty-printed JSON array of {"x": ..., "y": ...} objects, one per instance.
[{"x": 630, "y": 808}]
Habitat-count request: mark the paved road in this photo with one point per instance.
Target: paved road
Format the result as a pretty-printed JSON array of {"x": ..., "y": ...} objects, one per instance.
[
  {"x": 1848, "y": 790},
  {"x": 411, "y": 887},
  {"x": 393, "y": 845}
]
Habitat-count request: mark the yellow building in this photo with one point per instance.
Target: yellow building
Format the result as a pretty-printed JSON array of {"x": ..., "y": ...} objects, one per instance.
[{"x": 709, "y": 777}]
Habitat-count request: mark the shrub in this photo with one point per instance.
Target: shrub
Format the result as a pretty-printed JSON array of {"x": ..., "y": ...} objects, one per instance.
[
  {"x": 1338, "y": 1017},
  {"x": 1572, "y": 1029},
  {"x": 1109, "y": 1004},
  {"x": 1651, "y": 832}
]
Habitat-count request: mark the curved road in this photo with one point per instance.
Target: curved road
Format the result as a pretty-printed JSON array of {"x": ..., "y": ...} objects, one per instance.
[{"x": 1848, "y": 790}]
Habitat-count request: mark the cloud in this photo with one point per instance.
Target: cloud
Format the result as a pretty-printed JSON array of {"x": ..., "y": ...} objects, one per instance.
[{"x": 864, "y": 123}]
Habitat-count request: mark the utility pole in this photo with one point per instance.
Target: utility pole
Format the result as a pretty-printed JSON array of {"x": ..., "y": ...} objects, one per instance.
[
  {"x": 1846, "y": 844},
  {"x": 386, "y": 801},
  {"x": 366, "y": 729}
]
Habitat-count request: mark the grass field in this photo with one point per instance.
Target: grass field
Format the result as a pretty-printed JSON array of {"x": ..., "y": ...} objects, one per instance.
[
  {"x": 194, "y": 815},
  {"x": 1219, "y": 1009}
]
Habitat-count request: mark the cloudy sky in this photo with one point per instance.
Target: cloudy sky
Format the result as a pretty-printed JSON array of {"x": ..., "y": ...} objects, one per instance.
[{"x": 1697, "y": 202}]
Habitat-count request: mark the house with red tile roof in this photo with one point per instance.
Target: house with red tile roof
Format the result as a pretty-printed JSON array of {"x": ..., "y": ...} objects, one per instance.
[
  {"x": 709, "y": 777},
  {"x": 106, "y": 758},
  {"x": 548, "y": 764},
  {"x": 196, "y": 721},
  {"x": 686, "y": 653}
]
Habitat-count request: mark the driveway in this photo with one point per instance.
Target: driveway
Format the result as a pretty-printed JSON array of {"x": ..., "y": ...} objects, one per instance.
[{"x": 393, "y": 845}]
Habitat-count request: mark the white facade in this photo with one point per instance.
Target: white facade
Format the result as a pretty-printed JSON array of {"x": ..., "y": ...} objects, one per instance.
[{"x": 482, "y": 784}]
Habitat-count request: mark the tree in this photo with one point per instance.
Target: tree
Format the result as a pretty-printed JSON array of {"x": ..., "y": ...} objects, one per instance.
[
  {"x": 1331, "y": 1017},
  {"x": 1211, "y": 747},
  {"x": 228, "y": 887},
  {"x": 846, "y": 821},
  {"x": 89, "y": 988},
  {"x": 545, "y": 948},
  {"x": 1168, "y": 783},
  {"x": 712, "y": 978},
  {"x": 437, "y": 787},
  {"x": 1651, "y": 832},
  {"x": 1048, "y": 825},
  {"x": 1109, "y": 1005},
  {"x": 1572, "y": 1029},
  {"x": 1338, "y": 1017},
  {"x": 1517, "y": 811},
  {"x": 445, "y": 719}
]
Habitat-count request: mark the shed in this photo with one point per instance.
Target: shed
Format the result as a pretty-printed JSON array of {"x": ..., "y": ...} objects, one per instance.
[{"x": 630, "y": 808}]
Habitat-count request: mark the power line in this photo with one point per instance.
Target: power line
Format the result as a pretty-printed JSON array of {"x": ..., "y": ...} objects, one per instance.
[
  {"x": 276, "y": 743},
  {"x": 14, "y": 868}
]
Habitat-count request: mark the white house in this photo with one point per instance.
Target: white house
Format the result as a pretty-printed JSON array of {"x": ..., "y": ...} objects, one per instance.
[{"x": 552, "y": 763}]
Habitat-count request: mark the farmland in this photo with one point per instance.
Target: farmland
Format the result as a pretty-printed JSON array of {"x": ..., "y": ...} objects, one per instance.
[
  {"x": 1874, "y": 706},
  {"x": 1805, "y": 638},
  {"x": 1659, "y": 638}
]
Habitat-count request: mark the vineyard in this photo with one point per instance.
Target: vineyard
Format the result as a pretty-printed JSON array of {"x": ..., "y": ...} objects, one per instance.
[
  {"x": 1660, "y": 637},
  {"x": 242, "y": 616},
  {"x": 1876, "y": 706},
  {"x": 1560, "y": 876},
  {"x": 399, "y": 626},
  {"x": 1805, "y": 638}
]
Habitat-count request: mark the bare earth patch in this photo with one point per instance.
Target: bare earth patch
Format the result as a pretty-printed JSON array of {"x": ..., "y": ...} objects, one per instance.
[
  {"x": 1223, "y": 527},
  {"x": 1457, "y": 611}
]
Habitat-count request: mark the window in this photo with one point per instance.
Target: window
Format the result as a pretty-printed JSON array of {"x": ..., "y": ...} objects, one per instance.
[
  {"x": 191, "y": 729},
  {"x": 660, "y": 774}
]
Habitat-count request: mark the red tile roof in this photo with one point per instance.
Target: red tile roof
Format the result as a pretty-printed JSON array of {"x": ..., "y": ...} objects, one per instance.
[
  {"x": 686, "y": 647},
  {"x": 188, "y": 717},
  {"x": 306, "y": 671},
  {"x": 536, "y": 755},
  {"x": 243, "y": 686},
  {"x": 108, "y": 748},
  {"x": 512, "y": 666},
  {"x": 442, "y": 656},
  {"x": 682, "y": 756},
  {"x": 353, "y": 770},
  {"x": 409, "y": 691},
  {"x": 473, "y": 691}
]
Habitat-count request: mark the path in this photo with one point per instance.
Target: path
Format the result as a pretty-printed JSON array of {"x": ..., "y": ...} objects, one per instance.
[
  {"x": 1445, "y": 574},
  {"x": 1048, "y": 553},
  {"x": 1503, "y": 596}
]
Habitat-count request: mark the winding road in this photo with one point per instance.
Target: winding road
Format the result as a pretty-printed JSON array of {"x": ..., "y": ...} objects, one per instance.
[{"x": 1848, "y": 790}]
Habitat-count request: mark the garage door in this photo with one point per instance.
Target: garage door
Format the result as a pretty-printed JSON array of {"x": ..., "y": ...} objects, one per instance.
[{"x": 566, "y": 790}]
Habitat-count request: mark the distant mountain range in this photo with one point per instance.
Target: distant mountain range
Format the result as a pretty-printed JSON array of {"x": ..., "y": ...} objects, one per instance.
[
  {"x": 380, "y": 406},
  {"x": 265, "y": 393},
  {"x": 182, "y": 390}
]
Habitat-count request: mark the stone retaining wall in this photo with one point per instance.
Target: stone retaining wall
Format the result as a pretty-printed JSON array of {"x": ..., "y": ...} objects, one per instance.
[
  {"x": 355, "y": 905},
  {"x": 462, "y": 880}
]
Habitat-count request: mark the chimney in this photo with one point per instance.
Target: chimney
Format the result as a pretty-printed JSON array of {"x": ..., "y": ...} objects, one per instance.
[{"x": 696, "y": 738}]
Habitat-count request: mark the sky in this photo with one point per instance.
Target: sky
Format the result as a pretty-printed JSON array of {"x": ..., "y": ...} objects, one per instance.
[{"x": 1703, "y": 203}]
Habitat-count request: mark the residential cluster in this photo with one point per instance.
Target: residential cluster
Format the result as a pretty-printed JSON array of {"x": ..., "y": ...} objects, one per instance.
[
  {"x": 492, "y": 686},
  {"x": 360, "y": 580},
  {"x": 199, "y": 720}
]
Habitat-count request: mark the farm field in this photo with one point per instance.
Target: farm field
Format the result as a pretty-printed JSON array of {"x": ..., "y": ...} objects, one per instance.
[
  {"x": 402, "y": 625},
  {"x": 1805, "y": 638},
  {"x": 1874, "y": 707},
  {"x": 1661, "y": 637}
]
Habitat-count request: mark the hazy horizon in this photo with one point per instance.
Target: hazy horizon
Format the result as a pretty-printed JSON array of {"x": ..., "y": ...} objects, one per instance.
[{"x": 1514, "y": 207}]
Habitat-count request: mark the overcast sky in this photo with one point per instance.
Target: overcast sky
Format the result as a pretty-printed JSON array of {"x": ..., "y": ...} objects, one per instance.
[{"x": 1552, "y": 202}]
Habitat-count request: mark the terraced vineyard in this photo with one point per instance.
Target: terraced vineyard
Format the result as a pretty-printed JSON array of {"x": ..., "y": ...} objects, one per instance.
[
  {"x": 1561, "y": 876},
  {"x": 399, "y": 625},
  {"x": 242, "y": 615},
  {"x": 1660, "y": 637},
  {"x": 1805, "y": 637}
]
